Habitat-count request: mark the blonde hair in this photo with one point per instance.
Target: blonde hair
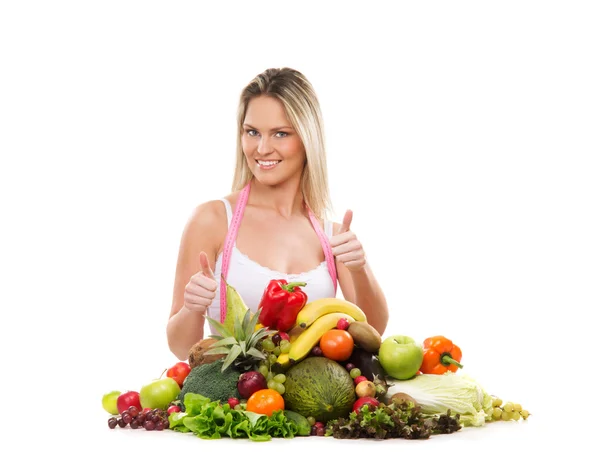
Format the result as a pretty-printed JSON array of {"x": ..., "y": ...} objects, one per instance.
[{"x": 302, "y": 109}]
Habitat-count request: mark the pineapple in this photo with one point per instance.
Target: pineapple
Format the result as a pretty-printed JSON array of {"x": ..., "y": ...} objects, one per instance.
[{"x": 242, "y": 345}]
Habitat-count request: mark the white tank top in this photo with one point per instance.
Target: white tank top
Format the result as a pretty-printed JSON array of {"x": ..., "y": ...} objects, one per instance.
[{"x": 250, "y": 278}]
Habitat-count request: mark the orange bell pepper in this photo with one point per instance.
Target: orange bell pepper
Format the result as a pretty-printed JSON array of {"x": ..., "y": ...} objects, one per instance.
[{"x": 440, "y": 355}]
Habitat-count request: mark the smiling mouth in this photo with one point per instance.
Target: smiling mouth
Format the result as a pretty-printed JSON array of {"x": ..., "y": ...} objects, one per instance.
[{"x": 267, "y": 163}]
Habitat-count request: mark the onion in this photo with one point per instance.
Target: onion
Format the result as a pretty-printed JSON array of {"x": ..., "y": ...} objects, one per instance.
[{"x": 250, "y": 382}]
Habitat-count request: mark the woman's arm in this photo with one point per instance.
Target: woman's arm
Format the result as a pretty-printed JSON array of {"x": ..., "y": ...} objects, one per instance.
[
  {"x": 361, "y": 288},
  {"x": 203, "y": 232}
]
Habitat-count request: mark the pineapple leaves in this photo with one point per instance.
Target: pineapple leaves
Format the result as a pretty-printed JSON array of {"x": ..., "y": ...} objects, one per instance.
[
  {"x": 219, "y": 327},
  {"x": 234, "y": 353},
  {"x": 217, "y": 351},
  {"x": 224, "y": 342},
  {"x": 256, "y": 353}
]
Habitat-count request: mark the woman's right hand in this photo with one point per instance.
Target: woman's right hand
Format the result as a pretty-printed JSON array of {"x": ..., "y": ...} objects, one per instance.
[{"x": 201, "y": 290}]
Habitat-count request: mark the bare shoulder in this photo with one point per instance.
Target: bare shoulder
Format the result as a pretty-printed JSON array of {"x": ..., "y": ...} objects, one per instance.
[{"x": 206, "y": 226}]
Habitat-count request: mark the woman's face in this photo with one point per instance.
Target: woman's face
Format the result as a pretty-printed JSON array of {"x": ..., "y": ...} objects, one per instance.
[{"x": 273, "y": 150}]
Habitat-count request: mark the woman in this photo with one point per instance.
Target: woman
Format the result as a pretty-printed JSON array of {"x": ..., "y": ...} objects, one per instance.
[{"x": 274, "y": 224}]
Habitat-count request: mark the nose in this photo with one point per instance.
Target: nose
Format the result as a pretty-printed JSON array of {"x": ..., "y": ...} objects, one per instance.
[{"x": 264, "y": 147}]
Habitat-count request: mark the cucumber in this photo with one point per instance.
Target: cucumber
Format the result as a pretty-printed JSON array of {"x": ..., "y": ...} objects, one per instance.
[{"x": 299, "y": 420}]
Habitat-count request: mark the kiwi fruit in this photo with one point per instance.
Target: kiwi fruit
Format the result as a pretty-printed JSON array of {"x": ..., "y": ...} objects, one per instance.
[{"x": 365, "y": 336}]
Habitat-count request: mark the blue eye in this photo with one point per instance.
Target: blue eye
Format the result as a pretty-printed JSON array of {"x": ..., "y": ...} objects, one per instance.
[{"x": 278, "y": 133}]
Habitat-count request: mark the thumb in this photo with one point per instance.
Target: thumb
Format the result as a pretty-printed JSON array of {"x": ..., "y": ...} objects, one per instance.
[
  {"x": 205, "y": 266},
  {"x": 346, "y": 222}
]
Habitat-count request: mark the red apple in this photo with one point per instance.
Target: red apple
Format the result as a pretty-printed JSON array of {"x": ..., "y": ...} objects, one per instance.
[
  {"x": 179, "y": 372},
  {"x": 128, "y": 399},
  {"x": 370, "y": 401}
]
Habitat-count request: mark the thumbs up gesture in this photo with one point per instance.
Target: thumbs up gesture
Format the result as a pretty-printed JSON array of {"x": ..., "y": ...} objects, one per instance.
[
  {"x": 202, "y": 287},
  {"x": 346, "y": 247}
]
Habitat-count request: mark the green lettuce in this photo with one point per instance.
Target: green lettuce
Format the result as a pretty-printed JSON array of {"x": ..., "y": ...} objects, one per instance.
[{"x": 212, "y": 420}]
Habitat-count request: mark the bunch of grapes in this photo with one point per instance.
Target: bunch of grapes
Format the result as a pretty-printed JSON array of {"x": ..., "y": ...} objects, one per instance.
[
  {"x": 149, "y": 419},
  {"x": 508, "y": 411},
  {"x": 273, "y": 347}
]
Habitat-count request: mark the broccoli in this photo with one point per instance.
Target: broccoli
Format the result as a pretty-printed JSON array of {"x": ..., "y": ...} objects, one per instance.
[{"x": 208, "y": 381}]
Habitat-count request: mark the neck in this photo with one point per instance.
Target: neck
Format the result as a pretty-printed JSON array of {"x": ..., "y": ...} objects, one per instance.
[{"x": 286, "y": 198}]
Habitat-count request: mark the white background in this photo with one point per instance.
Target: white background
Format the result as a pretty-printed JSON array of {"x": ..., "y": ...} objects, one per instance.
[{"x": 463, "y": 135}]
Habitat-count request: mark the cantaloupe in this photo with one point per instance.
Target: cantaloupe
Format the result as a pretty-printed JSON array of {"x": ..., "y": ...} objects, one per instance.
[{"x": 319, "y": 387}]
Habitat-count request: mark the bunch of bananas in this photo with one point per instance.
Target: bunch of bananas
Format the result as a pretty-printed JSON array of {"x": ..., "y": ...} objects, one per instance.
[{"x": 314, "y": 320}]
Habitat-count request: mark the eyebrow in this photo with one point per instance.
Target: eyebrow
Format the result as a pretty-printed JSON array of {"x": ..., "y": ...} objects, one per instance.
[{"x": 272, "y": 129}]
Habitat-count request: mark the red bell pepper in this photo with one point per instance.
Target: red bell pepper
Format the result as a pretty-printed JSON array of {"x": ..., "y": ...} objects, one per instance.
[{"x": 280, "y": 304}]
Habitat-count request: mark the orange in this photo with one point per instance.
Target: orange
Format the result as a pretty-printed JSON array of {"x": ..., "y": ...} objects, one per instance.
[
  {"x": 337, "y": 345},
  {"x": 265, "y": 401}
]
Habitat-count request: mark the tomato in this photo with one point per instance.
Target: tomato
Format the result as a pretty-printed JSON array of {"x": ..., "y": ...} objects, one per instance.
[
  {"x": 265, "y": 401},
  {"x": 337, "y": 344}
]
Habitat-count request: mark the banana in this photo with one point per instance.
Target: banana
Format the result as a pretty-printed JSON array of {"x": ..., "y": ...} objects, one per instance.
[
  {"x": 323, "y": 306},
  {"x": 311, "y": 336},
  {"x": 294, "y": 333}
]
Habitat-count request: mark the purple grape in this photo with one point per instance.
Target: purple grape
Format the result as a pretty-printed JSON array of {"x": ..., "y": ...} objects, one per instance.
[
  {"x": 127, "y": 418},
  {"x": 349, "y": 367},
  {"x": 316, "y": 351},
  {"x": 121, "y": 422},
  {"x": 112, "y": 422},
  {"x": 149, "y": 425},
  {"x": 276, "y": 339},
  {"x": 133, "y": 411},
  {"x": 134, "y": 424},
  {"x": 321, "y": 431}
]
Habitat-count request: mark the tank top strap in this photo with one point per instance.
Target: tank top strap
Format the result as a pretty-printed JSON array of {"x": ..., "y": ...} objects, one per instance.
[
  {"x": 228, "y": 209},
  {"x": 326, "y": 247},
  {"x": 228, "y": 247}
]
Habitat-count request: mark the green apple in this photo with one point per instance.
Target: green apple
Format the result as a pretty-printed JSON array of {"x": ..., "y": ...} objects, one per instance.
[
  {"x": 400, "y": 356},
  {"x": 109, "y": 402},
  {"x": 159, "y": 393}
]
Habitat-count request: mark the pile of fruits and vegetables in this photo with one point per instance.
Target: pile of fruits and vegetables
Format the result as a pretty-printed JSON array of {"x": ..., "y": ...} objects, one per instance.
[{"x": 310, "y": 369}]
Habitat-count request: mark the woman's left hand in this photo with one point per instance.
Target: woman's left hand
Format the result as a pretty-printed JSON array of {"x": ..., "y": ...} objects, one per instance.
[{"x": 346, "y": 247}]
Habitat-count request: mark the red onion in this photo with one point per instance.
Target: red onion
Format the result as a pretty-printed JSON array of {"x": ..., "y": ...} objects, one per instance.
[{"x": 250, "y": 382}]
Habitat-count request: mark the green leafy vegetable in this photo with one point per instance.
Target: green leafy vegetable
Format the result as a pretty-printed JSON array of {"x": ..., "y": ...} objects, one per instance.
[
  {"x": 212, "y": 420},
  {"x": 436, "y": 394},
  {"x": 403, "y": 420}
]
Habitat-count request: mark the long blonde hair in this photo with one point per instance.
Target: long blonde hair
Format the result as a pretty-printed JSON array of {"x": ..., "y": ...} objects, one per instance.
[{"x": 302, "y": 109}]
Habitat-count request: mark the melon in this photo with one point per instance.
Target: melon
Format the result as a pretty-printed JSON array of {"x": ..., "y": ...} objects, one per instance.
[{"x": 319, "y": 387}]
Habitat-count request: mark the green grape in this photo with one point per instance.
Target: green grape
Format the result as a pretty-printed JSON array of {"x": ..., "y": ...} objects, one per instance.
[
  {"x": 272, "y": 358},
  {"x": 497, "y": 413},
  {"x": 509, "y": 407},
  {"x": 280, "y": 378},
  {"x": 355, "y": 373},
  {"x": 277, "y": 351},
  {"x": 280, "y": 388},
  {"x": 506, "y": 416},
  {"x": 516, "y": 416},
  {"x": 268, "y": 345},
  {"x": 272, "y": 384},
  {"x": 311, "y": 420},
  {"x": 263, "y": 370},
  {"x": 285, "y": 346},
  {"x": 524, "y": 414},
  {"x": 517, "y": 407},
  {"x": 496, "y": 402}
]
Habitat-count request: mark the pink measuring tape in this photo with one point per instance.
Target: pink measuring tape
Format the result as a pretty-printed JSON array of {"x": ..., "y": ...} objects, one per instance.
[{"x": 232, "y": 234}]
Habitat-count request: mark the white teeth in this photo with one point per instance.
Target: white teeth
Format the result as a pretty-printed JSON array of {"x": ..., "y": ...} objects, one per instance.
[{"x": 268, "y": 162}]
